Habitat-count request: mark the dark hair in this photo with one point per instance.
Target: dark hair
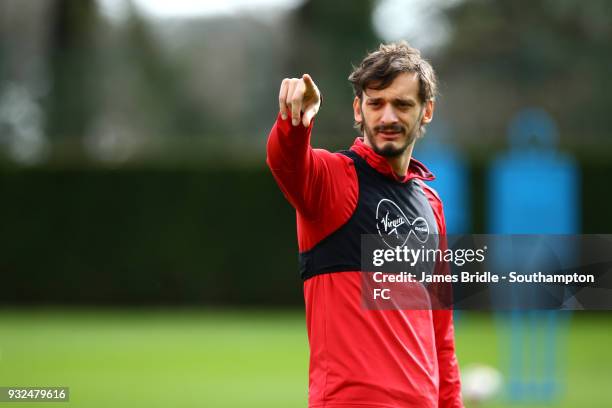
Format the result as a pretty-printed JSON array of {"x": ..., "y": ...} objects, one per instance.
[{"x": 379, "y": 68}]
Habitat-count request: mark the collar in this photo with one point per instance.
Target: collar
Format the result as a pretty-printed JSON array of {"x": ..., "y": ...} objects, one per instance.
[{"x": 416, "y": 169}]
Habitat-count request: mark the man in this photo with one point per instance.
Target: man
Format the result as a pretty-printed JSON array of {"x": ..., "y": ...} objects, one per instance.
[{"x": 365, "y": 358}]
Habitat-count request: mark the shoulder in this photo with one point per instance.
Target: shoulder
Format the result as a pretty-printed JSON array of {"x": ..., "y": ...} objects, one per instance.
[
  {"x": 436, "y": 205},
  {"x": 335, "y": 162},
  {"x": 334, "y": 157},
  {"x": 430, "y": 192}
]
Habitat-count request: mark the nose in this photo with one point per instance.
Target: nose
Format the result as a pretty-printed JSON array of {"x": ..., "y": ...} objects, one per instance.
[{"x": 388, "y": 115}]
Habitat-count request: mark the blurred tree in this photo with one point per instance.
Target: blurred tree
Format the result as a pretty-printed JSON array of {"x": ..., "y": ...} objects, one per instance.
[
  {"x": 74, "y": 67},
  {"x": 135, "y": 91},
  {"x": 327, "y": 38},
  {"x": 159, "y": 80},
  {"x": 549, "y": 53},
  {"x": 112, "y": 86}
]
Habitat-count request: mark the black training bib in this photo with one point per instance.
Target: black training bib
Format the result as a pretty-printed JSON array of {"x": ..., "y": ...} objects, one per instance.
[{"x": 399, "y": 213}]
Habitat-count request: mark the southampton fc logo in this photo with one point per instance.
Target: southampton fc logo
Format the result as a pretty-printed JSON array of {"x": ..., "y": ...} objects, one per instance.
[{"x": 395, "y": 228}]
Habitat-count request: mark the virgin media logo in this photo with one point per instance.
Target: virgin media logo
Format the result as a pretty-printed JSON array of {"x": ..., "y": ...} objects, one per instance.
[{"x": 395, "y": 228}]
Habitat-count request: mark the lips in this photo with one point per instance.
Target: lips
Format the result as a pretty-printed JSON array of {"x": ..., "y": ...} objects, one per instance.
[{"x": 389, "y": 135}]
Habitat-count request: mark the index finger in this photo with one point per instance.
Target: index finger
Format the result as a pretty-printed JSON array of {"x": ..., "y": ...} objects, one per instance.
[{"x": 308, "y": 81}]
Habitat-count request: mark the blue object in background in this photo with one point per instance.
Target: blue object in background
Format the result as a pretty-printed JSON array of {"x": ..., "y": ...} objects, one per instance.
[
  {"x": 452, "y": 182},
  {"x": 533, "y": 189}
]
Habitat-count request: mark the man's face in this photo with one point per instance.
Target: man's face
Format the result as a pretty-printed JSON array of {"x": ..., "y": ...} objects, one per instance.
[{"x": 392, "y": 117}]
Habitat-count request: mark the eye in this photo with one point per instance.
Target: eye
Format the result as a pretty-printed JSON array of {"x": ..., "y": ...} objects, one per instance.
[
  {"x": 404, "y": 105},
  {"x": 374, "y": 103}
]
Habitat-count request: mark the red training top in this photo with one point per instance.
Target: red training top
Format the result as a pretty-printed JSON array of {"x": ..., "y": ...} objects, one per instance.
[{"x": 359, "y": 358}]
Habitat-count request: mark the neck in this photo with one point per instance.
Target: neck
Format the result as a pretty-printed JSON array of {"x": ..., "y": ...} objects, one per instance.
[{"x": 400, "y": 163}]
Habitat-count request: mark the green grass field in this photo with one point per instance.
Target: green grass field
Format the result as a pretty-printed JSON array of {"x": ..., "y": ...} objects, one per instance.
[{"x": 205, "y": 358}]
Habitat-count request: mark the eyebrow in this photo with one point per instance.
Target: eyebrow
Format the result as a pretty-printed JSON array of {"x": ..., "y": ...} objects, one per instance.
[{"x": 407, "y": 101}]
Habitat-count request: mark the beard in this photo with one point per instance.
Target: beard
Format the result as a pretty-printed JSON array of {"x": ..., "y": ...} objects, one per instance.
[{"x": 389, "y": 150}]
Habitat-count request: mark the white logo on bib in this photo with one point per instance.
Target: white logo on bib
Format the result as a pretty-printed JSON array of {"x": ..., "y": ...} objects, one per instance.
[{"x": 395, "y": 228}]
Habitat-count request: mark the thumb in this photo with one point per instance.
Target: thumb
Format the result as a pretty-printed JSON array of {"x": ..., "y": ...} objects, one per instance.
[{"x": 308, "y": 115}]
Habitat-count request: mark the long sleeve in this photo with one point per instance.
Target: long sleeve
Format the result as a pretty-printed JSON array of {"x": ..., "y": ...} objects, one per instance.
[
  {"x": 450, "y": 383},
  {"x": 320, "y": 185},
  {"x": 296, "y": 169},
  {"x": 448, "y": 367}
]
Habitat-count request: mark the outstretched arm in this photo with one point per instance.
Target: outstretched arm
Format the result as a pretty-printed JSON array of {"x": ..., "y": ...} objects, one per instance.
[
  {"x": 321, "y": 186},
  {"x": 298, "y": 169}
]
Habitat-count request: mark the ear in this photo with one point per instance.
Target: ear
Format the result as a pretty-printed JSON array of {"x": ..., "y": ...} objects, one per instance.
[
  {"x": 357, "y": 110},
  {"x": 428, "y": 114}
]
